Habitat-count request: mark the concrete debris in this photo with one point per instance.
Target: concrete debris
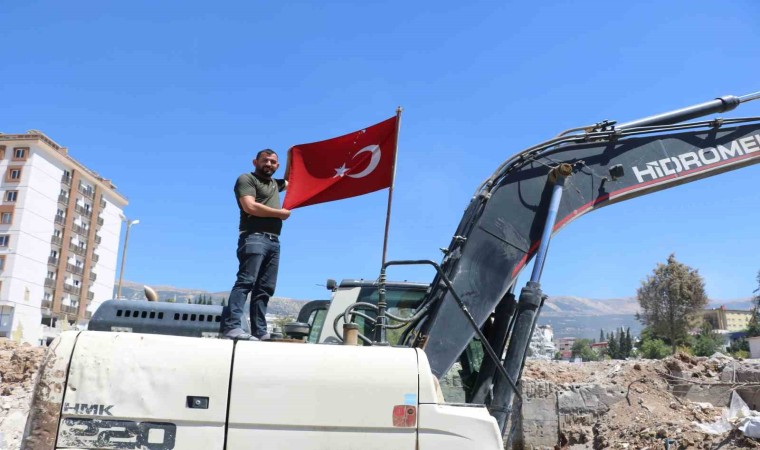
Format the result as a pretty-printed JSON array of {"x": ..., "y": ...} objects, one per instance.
[
  {"x": 18, "y": 368},
  {"x": 639, "y": 404}
]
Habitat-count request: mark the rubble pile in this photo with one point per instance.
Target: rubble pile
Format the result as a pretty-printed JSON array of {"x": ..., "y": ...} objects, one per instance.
[
  {"x": 645, "y": 403},
  {"x": 18, "y": 368}
]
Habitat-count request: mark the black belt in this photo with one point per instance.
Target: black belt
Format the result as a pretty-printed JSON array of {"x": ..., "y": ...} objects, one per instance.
[{"x": 271, "y": 236}]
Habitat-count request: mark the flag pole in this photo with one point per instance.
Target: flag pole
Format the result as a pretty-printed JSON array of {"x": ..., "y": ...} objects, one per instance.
[
  {"x": 381, "y": 320},
  {"x": 390, "y": 190}
]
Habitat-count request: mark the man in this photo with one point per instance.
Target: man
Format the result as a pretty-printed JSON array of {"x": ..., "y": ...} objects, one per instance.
[{"x": 258, "y": 250}]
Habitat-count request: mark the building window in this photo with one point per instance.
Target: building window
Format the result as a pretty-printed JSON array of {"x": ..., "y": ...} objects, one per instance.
[
  {"x": 2, "y": 152},
  {"x": 20, "y": 153},
  {"x": 13, "y": 174},
  {"x": 2, "y": 263},
  {"x": 6, "y": 315},
  {"x": 6, "y": 218},
  {"x": 4, "y": 240},
  {"x": 11, "y": 196}
]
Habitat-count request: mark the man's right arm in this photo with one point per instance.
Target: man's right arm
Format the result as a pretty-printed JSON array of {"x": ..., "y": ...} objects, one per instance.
[{"x": 254, "y": 208}]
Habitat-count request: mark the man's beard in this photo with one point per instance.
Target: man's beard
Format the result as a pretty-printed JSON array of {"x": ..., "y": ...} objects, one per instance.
[{"x": 265, "y": 173}]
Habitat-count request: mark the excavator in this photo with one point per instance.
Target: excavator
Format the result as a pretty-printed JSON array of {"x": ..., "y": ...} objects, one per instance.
[{"x": 148, "y": 387}]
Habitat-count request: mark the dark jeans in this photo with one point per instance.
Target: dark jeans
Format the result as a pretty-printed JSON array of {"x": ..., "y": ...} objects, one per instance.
[{"x": 259, "y": 256}]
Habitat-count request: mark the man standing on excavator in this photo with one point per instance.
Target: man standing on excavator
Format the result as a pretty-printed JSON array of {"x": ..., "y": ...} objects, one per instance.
[{"x": 258, "y": 249}]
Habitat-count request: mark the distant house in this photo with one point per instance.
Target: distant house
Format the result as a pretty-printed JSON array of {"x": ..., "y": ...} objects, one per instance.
[
  {"x": 600, "y": 347},
  {"x": 565, "y": 343}
]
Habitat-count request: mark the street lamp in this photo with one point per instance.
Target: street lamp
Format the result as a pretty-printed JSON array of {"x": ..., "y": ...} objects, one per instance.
[{"x": 124, "y": 252}]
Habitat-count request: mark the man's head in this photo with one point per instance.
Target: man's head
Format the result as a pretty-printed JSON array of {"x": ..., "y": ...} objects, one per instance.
[{"x": 266, "y": 163}]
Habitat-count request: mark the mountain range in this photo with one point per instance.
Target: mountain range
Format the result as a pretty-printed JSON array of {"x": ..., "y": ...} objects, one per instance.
[{"x": 569, "y": 316}]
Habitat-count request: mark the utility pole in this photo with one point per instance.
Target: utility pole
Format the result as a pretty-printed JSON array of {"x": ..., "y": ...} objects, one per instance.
[{"x": 124, "y": 252}]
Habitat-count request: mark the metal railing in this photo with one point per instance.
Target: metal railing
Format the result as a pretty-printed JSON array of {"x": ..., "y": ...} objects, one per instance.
[
  {"x": 69, "y": 309},
  {"x": 57, "y": 240},
  {"x": 89, "y": 193},
  {"x": 53, "y": 260},
  {"x": 95, "y": 257},
  {"x": 79, "y": 250},
  {"x": 71, "y": 289},
  {"x": 49, "y": 282},
  {"x": 102, "y": 203},
  {"x": 66, "y": 179},
  {"x": 93, "y": 276},
  {"x": 98, "y": 239},
  {"x": 100, "y": 221},
  {"x": 83, "y": 211},
  {"x": 74, "y": 269},
  {"x": 46, "y": 304},
  {"x": 63, "y": 199},
  {"x": 60, "y": 220},
  {"x": 80, "y": 230},
  {"x": 90, "y": 295}
]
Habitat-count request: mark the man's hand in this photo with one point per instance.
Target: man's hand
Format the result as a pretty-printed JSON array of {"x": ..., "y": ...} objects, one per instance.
[{"x": 284, "y": 213}]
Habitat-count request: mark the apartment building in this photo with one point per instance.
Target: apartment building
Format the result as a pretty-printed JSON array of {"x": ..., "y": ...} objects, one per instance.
[
  {"x": 727, "y": 319},
  {"x": 59, "y": 238}
]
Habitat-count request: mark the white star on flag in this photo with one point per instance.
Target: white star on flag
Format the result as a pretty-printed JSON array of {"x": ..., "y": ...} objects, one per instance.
[{"x": 341, "y": 171}]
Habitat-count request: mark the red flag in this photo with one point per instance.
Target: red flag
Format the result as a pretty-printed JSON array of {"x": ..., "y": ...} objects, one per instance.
[{"x": 354, "y": 164}]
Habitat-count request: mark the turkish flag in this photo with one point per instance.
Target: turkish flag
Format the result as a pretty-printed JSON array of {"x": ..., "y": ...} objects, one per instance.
[{"x": 354, "y": 164}]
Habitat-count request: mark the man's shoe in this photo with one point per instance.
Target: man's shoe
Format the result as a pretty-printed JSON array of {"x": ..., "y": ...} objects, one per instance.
[
  {"x": 265, "y": 337},
  {"x": 238, "y": 335}
]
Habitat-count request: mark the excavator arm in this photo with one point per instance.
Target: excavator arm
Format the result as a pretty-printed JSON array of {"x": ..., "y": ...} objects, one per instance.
[{"x": 535, "y": 193}]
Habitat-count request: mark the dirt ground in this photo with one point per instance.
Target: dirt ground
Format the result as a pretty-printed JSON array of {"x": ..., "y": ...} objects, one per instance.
[
  {"x": 650, "y": 412},
  {"x": 18, "y": 367}
]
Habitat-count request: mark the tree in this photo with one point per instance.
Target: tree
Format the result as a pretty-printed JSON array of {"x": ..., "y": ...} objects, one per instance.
[
  {"x": 754, "y": 323},
  {"x": 601, "y": 335},
  {"x": 612, "y": 347},
  {"x": 669, "y": 298},
  {"x": 582, "y": 349}
]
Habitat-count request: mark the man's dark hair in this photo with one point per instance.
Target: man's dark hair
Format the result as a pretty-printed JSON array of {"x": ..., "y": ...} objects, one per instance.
[{"x": 266, "y": 151}]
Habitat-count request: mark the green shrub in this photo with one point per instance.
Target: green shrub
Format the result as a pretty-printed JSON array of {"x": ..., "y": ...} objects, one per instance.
[{"x": 654, "y": 349}]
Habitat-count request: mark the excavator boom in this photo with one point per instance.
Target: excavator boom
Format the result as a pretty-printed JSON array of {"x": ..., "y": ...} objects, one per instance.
[{"x": 502, "y": 227}]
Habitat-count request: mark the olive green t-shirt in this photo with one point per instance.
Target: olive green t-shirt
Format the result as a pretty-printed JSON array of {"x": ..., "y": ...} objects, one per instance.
[{"x": 266, "y": 192}]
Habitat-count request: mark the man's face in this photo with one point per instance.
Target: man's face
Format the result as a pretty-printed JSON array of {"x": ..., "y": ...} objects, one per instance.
[{"x": 266, "y": 165}]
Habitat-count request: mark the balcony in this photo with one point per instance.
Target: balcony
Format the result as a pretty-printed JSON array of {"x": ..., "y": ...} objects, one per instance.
[
  {"x": 63, "y": 199},
  {"x": 52, "y": 260},
  {"x": 88, "y": 315},
  {"x": 49, "y": 282},
  {"x": 66, "y": 179},
  {"x": 74, "y": 269},
  {"x": 86, "y": 192},
  {"x": 102, "y": 204},
  {"x": 93, "y": 276},
  {"x": 56, "y": 240},
  {"x": 95, "y": 257},
  {"x": 90, "y": 295},
  {"x": 46, "y": 304},
  {"x": 72, "y": 289},
  {"x": 78, "y": 250},
  {"x": 60, "y": 220},
  {"x": 83, "y": 211},
  {"x": 100, "y": 221},
  {"x": 98, "y": 239},
  {"x": 80, "y": 230},
  {"x": 73, "y": 310}
]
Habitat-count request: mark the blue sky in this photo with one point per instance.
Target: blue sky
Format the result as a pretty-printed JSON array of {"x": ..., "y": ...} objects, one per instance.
[{"x": 172, "y": 99}]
